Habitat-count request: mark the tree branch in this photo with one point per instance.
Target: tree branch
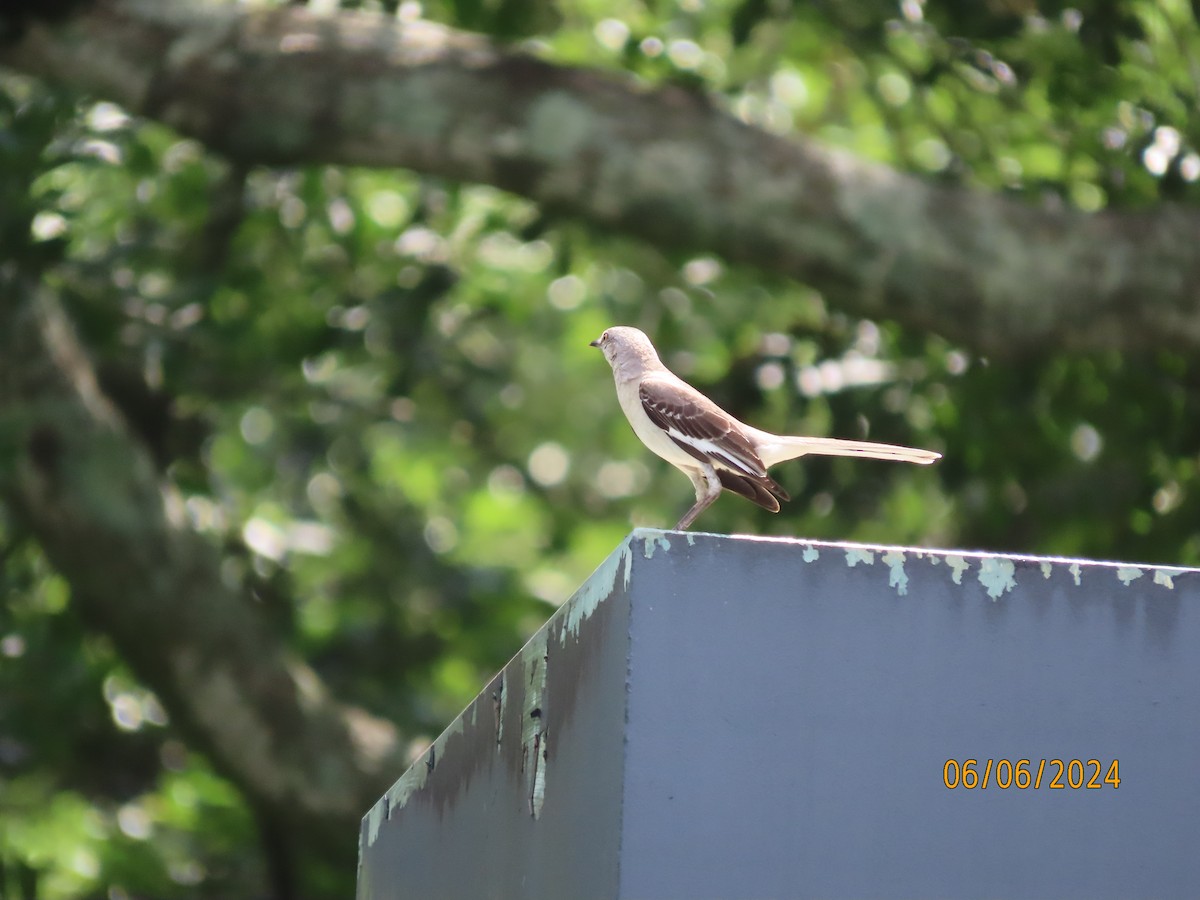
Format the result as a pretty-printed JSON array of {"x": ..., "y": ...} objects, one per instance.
[
  {"x": 91, "y": 495},
  {"x": 285, "y": 86}
]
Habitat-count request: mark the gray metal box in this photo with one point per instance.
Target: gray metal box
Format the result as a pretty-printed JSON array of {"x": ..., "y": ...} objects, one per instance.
[{"x": 735, "y": 717}]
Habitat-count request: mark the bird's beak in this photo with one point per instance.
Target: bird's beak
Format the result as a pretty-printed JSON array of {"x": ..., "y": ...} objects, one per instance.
[{"x": 595, "y": 343}]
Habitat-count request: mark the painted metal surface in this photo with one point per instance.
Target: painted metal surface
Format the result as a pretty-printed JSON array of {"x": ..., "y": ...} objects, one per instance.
[{"x": 737, "y": 717}]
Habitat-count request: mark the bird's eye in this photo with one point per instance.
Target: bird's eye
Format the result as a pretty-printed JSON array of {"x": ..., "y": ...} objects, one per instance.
[{"x": 604, "y": 337}]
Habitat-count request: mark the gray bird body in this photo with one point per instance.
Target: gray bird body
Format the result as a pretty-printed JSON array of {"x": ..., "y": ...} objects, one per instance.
[{"x": 711, "y": 447}]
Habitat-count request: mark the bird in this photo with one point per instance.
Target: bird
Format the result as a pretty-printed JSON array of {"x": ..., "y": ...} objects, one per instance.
[{"x": 712, "y": 448}]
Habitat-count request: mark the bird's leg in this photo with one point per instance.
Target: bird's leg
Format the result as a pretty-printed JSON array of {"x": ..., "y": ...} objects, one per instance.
[{"x": 708, "y": 489}]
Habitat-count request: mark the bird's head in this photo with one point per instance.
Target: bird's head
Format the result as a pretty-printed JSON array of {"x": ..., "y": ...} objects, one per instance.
[{"x": 626, "y": 348}]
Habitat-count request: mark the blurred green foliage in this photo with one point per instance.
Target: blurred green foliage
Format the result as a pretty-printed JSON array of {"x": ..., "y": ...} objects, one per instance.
[{"x": 374, "y": 391}]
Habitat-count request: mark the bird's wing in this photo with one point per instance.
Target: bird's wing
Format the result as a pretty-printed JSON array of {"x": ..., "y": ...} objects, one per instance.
[{"x": 700, "y": 427}]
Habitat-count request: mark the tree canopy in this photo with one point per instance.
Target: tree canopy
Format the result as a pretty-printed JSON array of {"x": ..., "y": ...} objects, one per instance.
[{"x": 300, "y": 432}]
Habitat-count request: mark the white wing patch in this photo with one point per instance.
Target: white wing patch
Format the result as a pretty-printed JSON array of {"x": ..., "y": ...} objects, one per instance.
[{"x": 717, "y": 454}]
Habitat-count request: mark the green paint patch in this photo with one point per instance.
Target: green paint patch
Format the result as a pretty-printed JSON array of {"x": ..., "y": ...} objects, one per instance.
[
  {"x": 533, "y": 723},
  {"x": 958, "y": 565},
  {"x": 897, "y": 577},
  {"x": 997, "y": 576},
  {"x": 410, "y": 782},
  {"x": 597, "y": 588},
  {"x": 652, "y": 541},
  {"x": 1128, "y": 574},
  {"x": 857, "y": 555}
]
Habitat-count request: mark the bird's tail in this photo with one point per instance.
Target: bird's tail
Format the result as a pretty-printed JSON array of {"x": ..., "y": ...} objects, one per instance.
[{"x": 777, "y": 447}]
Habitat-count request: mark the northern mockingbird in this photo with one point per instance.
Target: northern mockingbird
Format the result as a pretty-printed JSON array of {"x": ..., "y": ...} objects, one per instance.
[{"x": 708, "y": 445}]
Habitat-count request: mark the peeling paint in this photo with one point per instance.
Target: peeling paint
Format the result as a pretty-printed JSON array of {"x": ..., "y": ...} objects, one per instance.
[
  {"x": 1128, "y": 574},
  {"x": 533, "y": 720},
  {"x": 652, "y": 542},
  {"x": 857, "y": 555},
  {"x": 959, "y": 565},
  {"x": 500, "y": 702},
  {"x": 897, "y": 577},
  {"x": 362, "y": 843},
  {"x": 374, "y": 820},
  {"x": 997, "y": 576},
  {"x": 410, "y": 782},
  {"x": 537, "y": 792},
  {"x": 598, "y": 587}
]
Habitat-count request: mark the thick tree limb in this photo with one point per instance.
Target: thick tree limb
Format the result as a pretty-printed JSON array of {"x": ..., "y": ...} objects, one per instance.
[
  {"x": 139, "y": 574},
  {"x": 284, "y": 86}
]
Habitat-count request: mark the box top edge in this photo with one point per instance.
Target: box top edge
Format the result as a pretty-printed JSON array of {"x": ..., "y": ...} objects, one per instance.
[{"x": 663, "y": 537}]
